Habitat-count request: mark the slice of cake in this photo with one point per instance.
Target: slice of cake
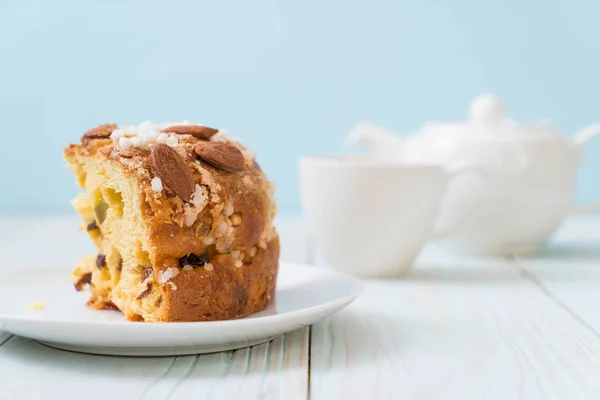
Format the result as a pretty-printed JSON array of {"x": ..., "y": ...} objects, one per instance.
[{"x": 182, "y": 219}]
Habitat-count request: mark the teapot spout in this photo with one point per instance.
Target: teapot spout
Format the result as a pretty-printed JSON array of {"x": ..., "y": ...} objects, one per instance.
[
  {"x": 586, "y": 134},
  {"x": 381, "y": 141}
]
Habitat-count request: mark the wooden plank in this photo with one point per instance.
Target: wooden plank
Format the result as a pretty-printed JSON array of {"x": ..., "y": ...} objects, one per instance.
[
  {"x": 30, "y": 370},
  {"x": 568, "y": 271},
  {"x": 454, "y": 330},
  {"x": 33, "y": 371},
  {"x": 277, "y": 370}
]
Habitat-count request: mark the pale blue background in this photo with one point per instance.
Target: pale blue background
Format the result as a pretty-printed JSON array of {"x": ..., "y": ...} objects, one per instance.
[{"x": 288, "y": 77}]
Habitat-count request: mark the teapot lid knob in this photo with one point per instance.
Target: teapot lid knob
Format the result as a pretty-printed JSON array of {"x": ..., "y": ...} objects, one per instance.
[{"x": 486, "y": 108}]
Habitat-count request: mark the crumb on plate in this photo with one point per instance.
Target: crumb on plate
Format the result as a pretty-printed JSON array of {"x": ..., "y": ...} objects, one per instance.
[{"x": 35, "y": 305}]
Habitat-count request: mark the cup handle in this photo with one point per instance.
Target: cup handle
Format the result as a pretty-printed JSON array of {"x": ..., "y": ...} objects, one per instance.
[{"x": 455, "y": 172}]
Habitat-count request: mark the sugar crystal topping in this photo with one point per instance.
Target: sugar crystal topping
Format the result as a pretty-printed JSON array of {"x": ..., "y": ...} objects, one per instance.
[
  {"x": 157, "y": 185},
  {"x": 166, "y": 275},
  {"x": 148, "y": 134}
]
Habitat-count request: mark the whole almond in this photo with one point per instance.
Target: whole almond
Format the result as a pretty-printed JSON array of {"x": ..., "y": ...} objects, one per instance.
[
  {"x": 197, "y": 131},
  {"x": 221, "y": 155},
  {"x": 100, "y": 132},
  {"x": 173, "y": 171}
]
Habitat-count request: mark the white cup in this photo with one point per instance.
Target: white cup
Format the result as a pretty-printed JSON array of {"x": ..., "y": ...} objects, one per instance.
[{"x": 371, "y": 218}]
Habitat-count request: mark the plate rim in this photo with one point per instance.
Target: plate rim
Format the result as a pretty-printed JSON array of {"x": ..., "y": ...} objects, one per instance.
[{"x": 359, "y": 287}]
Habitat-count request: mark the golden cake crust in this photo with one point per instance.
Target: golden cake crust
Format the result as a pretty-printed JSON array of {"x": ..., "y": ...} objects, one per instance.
[
  {"x": 226, "y": 222},
  {"x": 227, "y": 292}
]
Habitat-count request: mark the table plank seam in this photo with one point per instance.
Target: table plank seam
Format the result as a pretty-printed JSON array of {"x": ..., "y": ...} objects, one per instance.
[
  {"x": 531, "y": 278},
  {"x": 246, "y": 371},
  {"x": 310, "y": 252},
  {"x": 185, "y": 375},
  {"x": 6, "y": 340},
  {"x": 160, "y": 377},
  {"x": 225, "y": 368},
  {"x": 281, "y": 366},
  {"x": 266, "y": 368},
  {"x": 309, "y": 394}
]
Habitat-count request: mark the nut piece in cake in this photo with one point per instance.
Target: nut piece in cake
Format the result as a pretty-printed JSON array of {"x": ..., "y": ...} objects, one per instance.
[{"x": 182, "y": 218}]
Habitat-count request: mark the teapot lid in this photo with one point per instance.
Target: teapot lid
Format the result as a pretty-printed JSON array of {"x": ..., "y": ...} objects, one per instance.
[{"x": 487, "y": 121}]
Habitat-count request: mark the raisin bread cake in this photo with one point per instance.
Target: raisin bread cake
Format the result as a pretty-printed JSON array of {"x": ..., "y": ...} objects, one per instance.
[{"x": 181, "y": 216}]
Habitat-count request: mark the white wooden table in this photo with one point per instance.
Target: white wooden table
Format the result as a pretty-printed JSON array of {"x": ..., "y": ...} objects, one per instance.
[{"x": 455, "y": 329}]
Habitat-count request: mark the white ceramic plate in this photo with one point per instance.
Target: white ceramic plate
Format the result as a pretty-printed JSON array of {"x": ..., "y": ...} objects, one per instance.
[{"x": 304, "y": 296}]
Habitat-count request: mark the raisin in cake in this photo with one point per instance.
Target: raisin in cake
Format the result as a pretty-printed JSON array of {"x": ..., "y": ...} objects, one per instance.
[{"x": 182, "y": 219}]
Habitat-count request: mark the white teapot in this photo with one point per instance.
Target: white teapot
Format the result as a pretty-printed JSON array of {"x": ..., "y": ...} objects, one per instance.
[{"x": 531, "y": 175}]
